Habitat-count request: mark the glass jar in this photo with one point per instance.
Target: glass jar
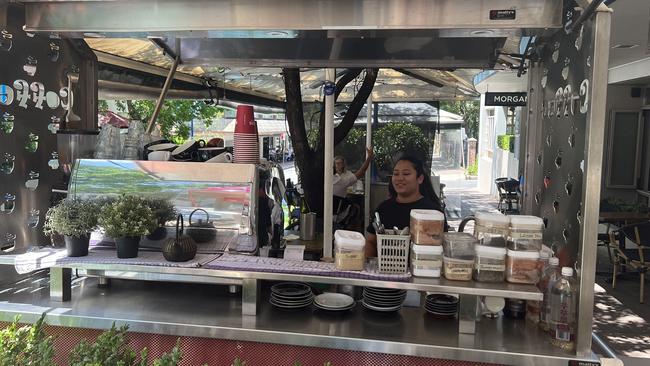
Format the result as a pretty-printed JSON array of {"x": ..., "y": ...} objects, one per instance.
[
  {"x": 490, "y": 264},
  {"x": 492, "y": 229},
  {"x": 525, "y": 233},
  {"x": 459, "y": 245}
]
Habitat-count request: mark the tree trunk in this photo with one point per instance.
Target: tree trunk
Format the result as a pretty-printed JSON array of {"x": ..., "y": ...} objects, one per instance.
[{"x": 310, "y": 163}]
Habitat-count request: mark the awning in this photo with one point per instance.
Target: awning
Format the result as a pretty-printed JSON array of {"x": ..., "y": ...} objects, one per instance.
[{"x": 265, "y": 127}]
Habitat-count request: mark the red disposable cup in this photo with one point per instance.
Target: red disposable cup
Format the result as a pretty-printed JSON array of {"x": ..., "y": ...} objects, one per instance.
[{"x": 245, "y": 120}]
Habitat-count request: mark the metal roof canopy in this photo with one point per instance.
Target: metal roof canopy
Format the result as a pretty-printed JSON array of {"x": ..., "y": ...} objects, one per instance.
[{"x": 242, "y": 44}]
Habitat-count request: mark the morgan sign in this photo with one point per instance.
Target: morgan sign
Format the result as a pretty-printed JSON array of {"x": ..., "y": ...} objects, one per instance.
[{"x": 506, "y": 99}]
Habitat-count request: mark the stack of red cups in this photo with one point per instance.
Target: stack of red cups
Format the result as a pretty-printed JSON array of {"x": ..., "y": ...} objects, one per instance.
[{"x": 247, "y": 146}]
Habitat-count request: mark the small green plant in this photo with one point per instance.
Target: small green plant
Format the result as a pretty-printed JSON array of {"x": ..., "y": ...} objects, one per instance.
[
  {"x": 472, "y": 170},
  {"x": 26, "y": 345},
  {"x": 397, "y": 138},
  {"x": 127, "y": 216},
  {"x": 172, "y": 358},
  {"x": 506, "y": 142},
  {"x": 71, "y": 217},
  {"x": 238, "y": 362},
  {"x": 163, "y": 209},
  {"x": 109, "y": 349}
]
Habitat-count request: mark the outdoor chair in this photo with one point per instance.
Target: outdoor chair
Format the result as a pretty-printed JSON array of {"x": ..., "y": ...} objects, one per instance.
[
  {"x": 508, "y": 189},
  {"x": 633, "y": 259}
]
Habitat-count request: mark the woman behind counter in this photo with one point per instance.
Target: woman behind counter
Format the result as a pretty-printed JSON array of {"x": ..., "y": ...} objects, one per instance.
[{"x": 410, "y": 188}]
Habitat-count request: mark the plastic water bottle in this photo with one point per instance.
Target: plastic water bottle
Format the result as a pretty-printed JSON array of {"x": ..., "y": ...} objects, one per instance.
[
  {"x": 562, "y": 321},
  {"x": 549, "y": 277}
]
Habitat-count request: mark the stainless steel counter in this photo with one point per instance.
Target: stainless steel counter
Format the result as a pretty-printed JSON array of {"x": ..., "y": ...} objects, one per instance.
[{"x": 210, "y": 311}]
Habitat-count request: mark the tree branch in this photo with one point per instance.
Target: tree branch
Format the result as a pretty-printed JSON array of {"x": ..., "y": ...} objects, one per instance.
[
  {"x": 355, "y": 106},
  {"x": 294, "y": 112},
  {"x": 350, "y": 75}
]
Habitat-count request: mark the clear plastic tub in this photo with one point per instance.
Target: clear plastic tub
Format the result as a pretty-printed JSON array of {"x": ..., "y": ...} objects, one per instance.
[
  {"x": 349, "y": 255},
  {"x": 458, "y": 269},
  {"x": 459, "y": 245},
  {"x": 525, "y": 233},
  {"x": 492, "y": 229},
  {"x": 490, "y": 264},
  {"x": 426, "y": 260},
  {"x": 427, "y": 226},
  {"x": 522, "y": 266}
]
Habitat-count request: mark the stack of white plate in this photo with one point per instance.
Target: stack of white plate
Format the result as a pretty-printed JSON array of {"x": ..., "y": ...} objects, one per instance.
[
  {"x": 334, "y": 302},
  {"x": 383, "y": 299},
  {"x": 441, "y": 305},
  {"x": 291, "y": 295}
]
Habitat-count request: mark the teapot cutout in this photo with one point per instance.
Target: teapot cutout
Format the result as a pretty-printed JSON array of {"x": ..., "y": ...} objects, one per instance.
[
  {"x": 8, "y": 203},
  {"x": 30, "y": 65},
  {"x": 32, "y": 143},
  {"x": 6, "y": 40},
  {"x": 7, "y": 123},
  {"x": 8, "y": 163},
  {"x": 55, "y": 52},
  {"x": 55, "y": 123},
  {"x": 53, "y": 163},
  {"x": 8, "y": 243},
  {"x": 32, "y": 183}
]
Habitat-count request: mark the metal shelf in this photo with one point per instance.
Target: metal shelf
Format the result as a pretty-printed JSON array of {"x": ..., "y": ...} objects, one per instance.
[{"x": 217, "y": 314}]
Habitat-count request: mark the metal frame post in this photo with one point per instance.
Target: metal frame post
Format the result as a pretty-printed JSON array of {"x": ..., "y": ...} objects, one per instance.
[
  {"x": 366, "y": 188},
  {"x": 166, "y": 86},
  {"x": 328, "y": 204},
  {"x": 60, "y": 284},
  {"x": 594, "y": 137}
]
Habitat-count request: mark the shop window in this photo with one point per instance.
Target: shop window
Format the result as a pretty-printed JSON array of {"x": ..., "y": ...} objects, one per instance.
[
  {"x": 489, "y": 137},
  {"x": 510, "y": 121},
  {"x": 625, "y": 134}
]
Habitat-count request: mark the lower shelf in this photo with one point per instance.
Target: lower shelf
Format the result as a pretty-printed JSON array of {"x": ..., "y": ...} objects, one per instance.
[{"x": 210, "y": 311}]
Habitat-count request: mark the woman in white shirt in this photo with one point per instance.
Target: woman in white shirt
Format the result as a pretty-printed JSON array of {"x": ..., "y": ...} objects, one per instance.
[{"x": 344, "y": 178}]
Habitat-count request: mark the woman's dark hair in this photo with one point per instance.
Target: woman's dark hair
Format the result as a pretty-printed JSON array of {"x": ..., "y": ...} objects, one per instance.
[{"x": 426, "y": 188}]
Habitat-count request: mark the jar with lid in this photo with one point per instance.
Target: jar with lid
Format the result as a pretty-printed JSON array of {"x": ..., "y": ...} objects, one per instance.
[
  {"x": 458, "y": 256},
  {"x": 490, "y": 264},
  {"x": 522, "y": 266},
  {"x": 492, "y": 229},
  {"x": 349, "y": 254},
  {"x": 525, "y": 233},
  {"x": 427, "y": 227},
  {"x": 426, "y": 260}
]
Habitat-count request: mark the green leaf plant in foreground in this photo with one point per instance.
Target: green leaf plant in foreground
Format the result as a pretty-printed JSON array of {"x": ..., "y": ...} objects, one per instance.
[{"x": 26, "y": 345}]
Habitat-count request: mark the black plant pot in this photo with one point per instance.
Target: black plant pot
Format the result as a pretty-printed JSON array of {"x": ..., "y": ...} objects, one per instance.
[
  {"x": 127, "y": 246},
  {"x": 158, "y": 234},
  {"x": 77, "y": 246}
]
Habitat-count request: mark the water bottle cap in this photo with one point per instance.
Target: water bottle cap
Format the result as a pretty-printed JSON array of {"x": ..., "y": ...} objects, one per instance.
[
  {"x": 567, "y": 271},
  {"x": 553, "y": 261}
]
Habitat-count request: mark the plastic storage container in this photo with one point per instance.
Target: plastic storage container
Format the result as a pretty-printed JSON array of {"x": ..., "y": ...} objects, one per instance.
[
  {"x": 427, "y": 226},
  {"x": 490, "y": 264},
  {"x": 492, "y": 229},
  {"x": 525, "y": 233},
  {"x": 458, "y": 269},
  {"x": 426, "y": 260},
  {"x": 522, "y": 266},
  {"x": 459, "y": 245},
  {"x": 349, "y": 255}
]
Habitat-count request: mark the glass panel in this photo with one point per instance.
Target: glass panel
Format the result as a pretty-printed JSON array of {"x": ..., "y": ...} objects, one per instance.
[
  {"x": 622, "y": 170},
  {"x": 223, "y": 190}
]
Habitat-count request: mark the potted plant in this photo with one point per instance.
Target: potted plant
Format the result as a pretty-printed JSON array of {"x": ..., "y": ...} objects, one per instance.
[
  {"x": 75, "y": 219},
  {"x": 126, "y": 220},
  {"x": 164, "y": 211}
]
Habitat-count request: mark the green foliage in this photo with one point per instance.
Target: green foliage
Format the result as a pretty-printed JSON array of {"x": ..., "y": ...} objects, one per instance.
[
  {"x": 174, "y": 116},
  {"x": 614, "y": 204},
  {"x": 506, "y": 142},
  {"x": 109, "y": 349},
  {"x": 102, "y": 106},
  {"x": 72, "y": 217},
  {"x": 396, "y": 139},
  {"x": 472, "y": 170},
  {"x": 469, "y": 110},
  {"x": 170, "y": 359},
  {"x": 238, "y": 362},
  {"x": 353, "y": 147},
  {"x": 127, "y": 216},
  {"x": 163, "y": 209},
  {"x": 27, "y": 345}
]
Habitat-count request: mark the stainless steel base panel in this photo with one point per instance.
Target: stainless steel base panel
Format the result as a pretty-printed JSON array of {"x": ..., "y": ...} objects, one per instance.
[{"x": 190, "y": 309}]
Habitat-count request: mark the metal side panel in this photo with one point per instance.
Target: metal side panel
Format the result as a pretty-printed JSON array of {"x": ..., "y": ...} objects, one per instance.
[{"x": 183, "y": 15}]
